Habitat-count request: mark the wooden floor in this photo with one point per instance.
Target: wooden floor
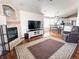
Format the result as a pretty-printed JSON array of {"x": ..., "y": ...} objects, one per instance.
[
  {"x": 76, "y": 53},
  {"x": 12, "y": 54},
  {"x": 55, "y": 34}
]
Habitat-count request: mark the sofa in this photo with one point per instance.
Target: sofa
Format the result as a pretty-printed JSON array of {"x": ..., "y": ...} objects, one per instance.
[{"x": 73, "y": 36}]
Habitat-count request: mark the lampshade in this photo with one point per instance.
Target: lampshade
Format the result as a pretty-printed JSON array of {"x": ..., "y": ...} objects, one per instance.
[{"x": 2, "y": 20}]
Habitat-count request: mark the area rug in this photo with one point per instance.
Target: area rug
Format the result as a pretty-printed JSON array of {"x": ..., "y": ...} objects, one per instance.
[
  {"x": 57, "y": 49},
  {"x": 45, "y": 49}
]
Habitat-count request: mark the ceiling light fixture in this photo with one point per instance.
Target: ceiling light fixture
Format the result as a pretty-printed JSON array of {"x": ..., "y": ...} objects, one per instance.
[{"x": 51, "y": 0}]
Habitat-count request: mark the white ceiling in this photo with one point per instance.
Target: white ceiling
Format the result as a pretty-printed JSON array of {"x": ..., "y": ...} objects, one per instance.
[{"x": 48, "y": 8}]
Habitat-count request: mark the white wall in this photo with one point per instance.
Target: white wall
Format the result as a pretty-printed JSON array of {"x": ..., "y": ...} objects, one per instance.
[
  {"x": 2, "y": 20},
  {"x": 77, "y": 21},
  {"x": 46, "y": 23},
  {"x": 25, "y": 16}
]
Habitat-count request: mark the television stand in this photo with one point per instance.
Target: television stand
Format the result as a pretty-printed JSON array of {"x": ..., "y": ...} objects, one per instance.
[{"x": 33, "y": 33}]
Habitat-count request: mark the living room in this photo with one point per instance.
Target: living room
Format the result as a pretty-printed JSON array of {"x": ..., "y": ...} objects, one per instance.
[{"x": 54, "y": 24}]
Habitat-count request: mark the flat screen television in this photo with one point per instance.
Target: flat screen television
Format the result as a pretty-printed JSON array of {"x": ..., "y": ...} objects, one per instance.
[{"x": 32, "y": 25}]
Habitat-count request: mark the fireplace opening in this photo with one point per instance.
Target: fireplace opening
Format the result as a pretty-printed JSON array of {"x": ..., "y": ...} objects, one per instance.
[{"x": 12, "y": 33}]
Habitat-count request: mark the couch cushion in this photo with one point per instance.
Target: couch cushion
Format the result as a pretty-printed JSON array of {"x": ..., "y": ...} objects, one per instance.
[{"x": 72, "y": 38}]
